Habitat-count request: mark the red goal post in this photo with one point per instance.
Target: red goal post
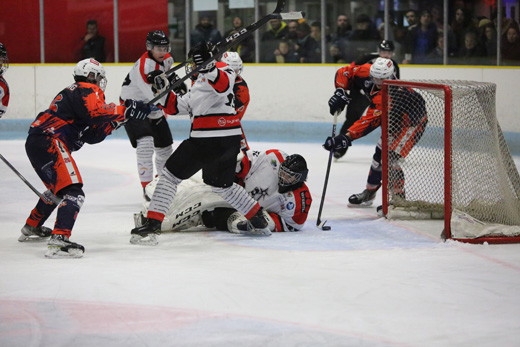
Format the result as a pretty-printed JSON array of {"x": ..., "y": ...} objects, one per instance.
[{"x": 444, "y": 157}]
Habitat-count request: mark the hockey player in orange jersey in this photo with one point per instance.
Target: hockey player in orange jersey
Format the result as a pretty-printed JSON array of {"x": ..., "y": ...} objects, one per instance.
[{"x": 410, "y": 130}]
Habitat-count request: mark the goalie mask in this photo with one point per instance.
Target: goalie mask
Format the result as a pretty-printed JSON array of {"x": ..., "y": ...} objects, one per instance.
[
  {"x": 292, "y": 173},
  {"x": 4, "y": 60},
  {"x": 91, "y": 71},
  {"x": 382, "y": 69}
]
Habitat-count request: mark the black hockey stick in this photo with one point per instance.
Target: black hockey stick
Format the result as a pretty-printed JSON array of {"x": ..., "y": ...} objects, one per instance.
[
  {"x": 225, "y": 44},
  {"x": 321, "y": 224},
  {"x": 47, "y": 195}
]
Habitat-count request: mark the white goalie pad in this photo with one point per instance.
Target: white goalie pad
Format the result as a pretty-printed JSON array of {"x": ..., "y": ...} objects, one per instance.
[{"x": 192, "y": 198}]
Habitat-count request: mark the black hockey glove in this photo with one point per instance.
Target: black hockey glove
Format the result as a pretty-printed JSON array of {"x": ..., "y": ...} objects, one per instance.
[
  {"x": 337, "y": 143},
  {"x": 158, "y": 80},
  {"x": 338, "y": 101},
  {"x": 181, "y": 89},
  {"x": 137, "y": 110}
]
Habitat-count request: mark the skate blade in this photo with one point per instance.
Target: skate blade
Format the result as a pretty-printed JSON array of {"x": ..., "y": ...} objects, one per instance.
[
  {"x": 150, "y": 240},
  {"x": 58, "y": 253},
  {"x": 32, "y": 238},
  {"x": 362, "y": 205}
]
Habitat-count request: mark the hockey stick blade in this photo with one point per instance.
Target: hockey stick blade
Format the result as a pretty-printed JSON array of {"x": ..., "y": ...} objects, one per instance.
[{"x": 322, "y": 225}]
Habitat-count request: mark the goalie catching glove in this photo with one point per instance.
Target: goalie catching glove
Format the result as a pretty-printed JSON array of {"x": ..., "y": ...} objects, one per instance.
[
  {"x": 337, "y": 143},
  {"x": 338, "y": 101},
  {"x": 160, "y": 82},
  {"x": 137, "y": 110}
]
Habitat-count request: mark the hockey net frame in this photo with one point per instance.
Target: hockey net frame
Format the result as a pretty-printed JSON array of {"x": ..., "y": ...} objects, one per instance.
[{"x": 485, "y": 212}]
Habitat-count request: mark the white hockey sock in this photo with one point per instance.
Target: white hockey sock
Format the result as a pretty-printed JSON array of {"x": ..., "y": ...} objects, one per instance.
[
  {"x": 161, "y": 155},
  {"x": 237, "y": 197},
  {"x": 164, "y": 192},
  {"x": 144, "y": 152}
]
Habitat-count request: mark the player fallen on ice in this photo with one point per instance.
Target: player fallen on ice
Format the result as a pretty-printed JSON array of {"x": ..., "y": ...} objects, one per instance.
[
  {"x": 77, "y": 115},
  {"x": 212, "y": 146},
  {"x": 273, "y": 178},
  {"x": 413, "y": 121}
]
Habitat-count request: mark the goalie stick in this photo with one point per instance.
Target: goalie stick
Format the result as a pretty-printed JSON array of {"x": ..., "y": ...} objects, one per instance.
[
  {"x": 225, "y": 44},
  {"x": 47, "y": 195},
  {"x": 319, "y": 223}
]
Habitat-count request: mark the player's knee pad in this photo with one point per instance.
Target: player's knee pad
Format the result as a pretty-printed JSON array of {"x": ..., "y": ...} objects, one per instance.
[{"x": 74, "y": 195}]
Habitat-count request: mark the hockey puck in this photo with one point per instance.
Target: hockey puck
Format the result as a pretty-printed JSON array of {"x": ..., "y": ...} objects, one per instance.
[{"x": 325, "y": 227}]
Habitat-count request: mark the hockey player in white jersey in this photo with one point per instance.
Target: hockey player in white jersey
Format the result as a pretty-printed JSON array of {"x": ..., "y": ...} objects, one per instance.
[
  {"x": 273, "y": 178},
  {"x": 150, "y": 136},
  {"x": 213, "y": 146}
]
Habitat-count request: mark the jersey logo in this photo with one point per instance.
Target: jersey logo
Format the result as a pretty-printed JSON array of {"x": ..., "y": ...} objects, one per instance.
[
  {"x": 258, "y": 193},
  {"x": 289, "y": 206}
]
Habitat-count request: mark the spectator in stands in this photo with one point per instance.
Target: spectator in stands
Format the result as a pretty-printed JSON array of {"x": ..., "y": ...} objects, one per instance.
[
  {"x": 488, "y": 35},
  {"x": 285, "y": 53},
  {"x": 472, "y": 51},
  {"x": 92, "y": 43},
  {"x": 411, "y": 19},
  {"x": 339, "y": 38},
  {"x": 437, "y": 55},
  {"x": 421, "y": 40},
  {"x": 245, "y": 48},
  {"x": 292, "y": 25},
  {"x": 309, "y": 49},
  {"x": 510, "y": 48},
  {"x": 205, "y": 31},
  {"x": 276, "y": 31},
  {"x": 363, "y": 38},
  {"x": 461, "y": 23}
]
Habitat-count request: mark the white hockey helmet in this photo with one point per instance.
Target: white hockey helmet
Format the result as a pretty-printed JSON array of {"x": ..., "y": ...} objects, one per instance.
[
  {"x": 382, "y": 69},
  {"x": 233, "y": 60},
  {"x": 90, "y": 70}
]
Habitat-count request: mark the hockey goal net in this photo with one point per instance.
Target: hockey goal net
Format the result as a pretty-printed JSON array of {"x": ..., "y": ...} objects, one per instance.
[{"x": 444, "y": 157}]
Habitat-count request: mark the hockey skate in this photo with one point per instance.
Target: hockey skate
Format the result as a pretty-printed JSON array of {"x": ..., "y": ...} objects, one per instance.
[
  {"x": 256, "y": 226},
  {"x": 59, "y": 246},
  {"x": 146, "y": 234},
  {"x": 30, "y": 233},
  {"x": 363, "y": 199}
]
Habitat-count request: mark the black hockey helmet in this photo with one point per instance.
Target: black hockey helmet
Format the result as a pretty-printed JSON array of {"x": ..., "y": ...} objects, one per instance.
[
  {"x": 4, "y": 59},
  {"x": 386, "y": 45},
  {"x": 157, "y": 38},
  {"x": 292, "y": 173}
]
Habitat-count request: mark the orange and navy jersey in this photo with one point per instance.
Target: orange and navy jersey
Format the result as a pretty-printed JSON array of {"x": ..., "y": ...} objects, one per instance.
[
  {"x": 78, "y": 114},
  {"x": 354, "y": 77},
  {"x": 4, "y": 95}
]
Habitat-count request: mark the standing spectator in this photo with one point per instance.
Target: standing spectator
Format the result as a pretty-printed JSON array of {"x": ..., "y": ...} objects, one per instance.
[
  {"x": 339, "y": 38},
  {"x": 212, "y": 147},
  {"x": 460, "y": 25},
  {"x": 277, "y": 30},
  {"x": 92, "y": 43},
  {"x": 421, "y": 40},
  {"x": 205, "y": 31},
  {"x": 363, "y": 38},
  {"x": 152, "y": 137},
  {"x": 309, "y": 49},
  {"x": 77, "y": 115},
  {"x": 292, "y": 35},
  {"x": 488, "y": 34},
  {"x": 511, "y": 45},
  {"x": 245, "y": 48},
  {"x": 4, "y": 87}
]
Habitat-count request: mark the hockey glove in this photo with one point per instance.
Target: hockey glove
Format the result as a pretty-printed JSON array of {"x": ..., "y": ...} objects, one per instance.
[
  {"x": 338, "y": 101},
  {"x": 181, "y": 89},
  {"x": 137, "y": 110},
  {"x": 158, "y": 80},
  {"x": 337, "y": 143}
]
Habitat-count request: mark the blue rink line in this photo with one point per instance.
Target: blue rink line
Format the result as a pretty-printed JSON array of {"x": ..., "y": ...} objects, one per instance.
[{"x": 256, "y": 131}]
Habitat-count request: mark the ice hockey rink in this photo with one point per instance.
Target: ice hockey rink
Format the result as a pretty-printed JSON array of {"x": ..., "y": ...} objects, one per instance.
[{"x": 366, "y": 282}]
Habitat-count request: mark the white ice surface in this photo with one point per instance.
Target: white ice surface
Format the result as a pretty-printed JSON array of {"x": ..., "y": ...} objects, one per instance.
[{"x": 366, "y": 282}]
